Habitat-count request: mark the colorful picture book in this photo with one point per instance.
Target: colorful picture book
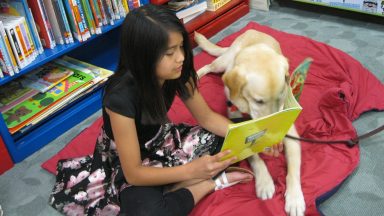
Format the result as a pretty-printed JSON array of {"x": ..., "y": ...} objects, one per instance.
[
  {"x": 14, "y": 93},
  {"x": 22, "y": 114},
  {"x": 95, "y": 77},
  {"x": 254, "y": 136},
  {"x": 46, "y": 76}
]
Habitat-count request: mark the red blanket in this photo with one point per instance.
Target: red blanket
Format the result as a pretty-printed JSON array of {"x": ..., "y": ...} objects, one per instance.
[{"x": 337, "y": 90}]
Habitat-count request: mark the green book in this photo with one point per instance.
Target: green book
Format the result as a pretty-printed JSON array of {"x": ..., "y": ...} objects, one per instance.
[{"x": 20, "y": 115}]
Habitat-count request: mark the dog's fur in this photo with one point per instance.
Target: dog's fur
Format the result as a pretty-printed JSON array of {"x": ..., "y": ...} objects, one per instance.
[{"x": 256, "y": 80}]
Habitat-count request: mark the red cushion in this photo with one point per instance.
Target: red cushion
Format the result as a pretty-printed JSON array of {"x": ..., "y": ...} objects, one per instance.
[{"x": 326, "y": 115}]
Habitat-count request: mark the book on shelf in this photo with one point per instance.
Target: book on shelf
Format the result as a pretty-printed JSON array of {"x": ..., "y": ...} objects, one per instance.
[
  {"x": 14, "y": 93},
  {"x": 191, "y": 17},
  {"x": 42, "y": 23},
  {"x": 12, "y": 27},
  {"x": 80, "y": 18},
  {"x": 62, "y": 21},
  {"x": 21, "y": 8},
  {"x": 46, "y": 77},
  {"x": 74, "y": 27},
  {"x": 5, "y": 58},
  {"x": 100, "y": 76},
  {"x": 54, "y": 21},
  {"x": 20, "y": 115},
  {"x": 197, "y": 6},
  {"x": 184, "y": 3},
  {"x": 97, "y": 14},
  {"x": 247, "y": 138},
  {"x": 9, "y": 52}
]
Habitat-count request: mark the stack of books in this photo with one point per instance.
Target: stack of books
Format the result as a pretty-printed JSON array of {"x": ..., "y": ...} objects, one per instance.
[
  {"x": 27, "y": 27},
  {"x": 187, "y": 10},
  {"x": 39, "y": 94}
]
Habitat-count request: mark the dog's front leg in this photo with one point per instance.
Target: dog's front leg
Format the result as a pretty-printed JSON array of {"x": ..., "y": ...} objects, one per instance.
[
  {"x": 265, "y": 188},
  {"x": 294, "y": 198}
]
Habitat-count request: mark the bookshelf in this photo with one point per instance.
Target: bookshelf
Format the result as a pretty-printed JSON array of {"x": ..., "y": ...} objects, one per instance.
[
  {"x": 211, "y": 22},
  {"x": 101, "y": 50}
]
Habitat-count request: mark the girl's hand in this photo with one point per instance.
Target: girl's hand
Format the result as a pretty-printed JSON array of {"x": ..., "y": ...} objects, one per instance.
[
  {"x": 208, "y": 166},
  {"x": 274, "y": 150}
]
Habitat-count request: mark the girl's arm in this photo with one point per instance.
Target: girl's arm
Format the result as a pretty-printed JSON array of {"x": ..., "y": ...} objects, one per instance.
[
  {"x": 205, "y": 116},
  {"x": 127, "y": 144}
]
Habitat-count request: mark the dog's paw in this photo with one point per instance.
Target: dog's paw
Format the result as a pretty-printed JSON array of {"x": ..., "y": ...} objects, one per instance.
[
  {"x": 265, "y": 188},
  {"x": 294, "y": 203}
]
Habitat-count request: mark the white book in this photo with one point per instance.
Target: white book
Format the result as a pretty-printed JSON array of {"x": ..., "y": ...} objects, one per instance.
[
  {"x": 200, "y": 5},
  {"x": 10, "y": 24},
  {"x": 192, "y": 16}
]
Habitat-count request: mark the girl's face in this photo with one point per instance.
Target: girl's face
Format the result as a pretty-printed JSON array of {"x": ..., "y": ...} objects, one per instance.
[{"x": 171, "y": 63}]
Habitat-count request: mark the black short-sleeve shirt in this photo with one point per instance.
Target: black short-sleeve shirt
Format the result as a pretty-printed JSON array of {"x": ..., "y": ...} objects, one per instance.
[{"x": 123, "y": 98}]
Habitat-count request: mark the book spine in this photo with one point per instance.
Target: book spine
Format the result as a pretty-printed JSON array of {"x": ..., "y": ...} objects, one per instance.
[
  {"x": 115, "y": 9},
  {"x": 96, "y": 13},
  {"x": 102, "y": 12},
  {"x": 53, "y": 20},
  {"x": 1, "y": 74},
  {"x": 72, "y": 20},
  {"x": 42, "y": 25},
  {"x": 10, "y": 53},
  {"x": 15, "y": 47},
  {"x": 27, "y": 34},
  {"x": 23, "y": 10},
  {"x": 3, "y": 66},
  {"x": 87, "y": 28},
  {"x": 125, "y": 5},
  {"x": 82, "y": 27},
  {"x": 89, "y": 17},
  {"x": 121, "y": 8},
  {"x": 109, "y": 12},
  {"x": 48, "y": 24},
  {"x": 60, "y": 22},
  {"x": 6, "y": 55},
  {"x": 68, "y": 32},
  {"x": 30, "y": 54},
  {"x": 31, "y": 27},
  {"x": 37, "y": 39},
  {"x": 21, "y": 42},
  {"x": 136, "y": 3}
]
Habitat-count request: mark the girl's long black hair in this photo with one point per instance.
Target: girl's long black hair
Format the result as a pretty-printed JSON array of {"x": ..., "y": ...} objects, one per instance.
[{"x": 144, "y": 41}]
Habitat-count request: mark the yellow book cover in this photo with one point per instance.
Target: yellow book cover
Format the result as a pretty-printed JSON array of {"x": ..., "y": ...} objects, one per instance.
[{"x": 253, "y": 136}]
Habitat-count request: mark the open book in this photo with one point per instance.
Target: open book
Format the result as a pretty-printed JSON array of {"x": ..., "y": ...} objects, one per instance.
[{"x": 253, "y": 136}]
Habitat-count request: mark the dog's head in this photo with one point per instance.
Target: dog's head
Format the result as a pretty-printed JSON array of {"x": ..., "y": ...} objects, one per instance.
[{"x": 258, "y": 82}]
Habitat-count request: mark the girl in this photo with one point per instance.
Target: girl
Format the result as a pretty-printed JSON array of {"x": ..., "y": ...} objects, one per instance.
[{"x": 142, "y": 164}]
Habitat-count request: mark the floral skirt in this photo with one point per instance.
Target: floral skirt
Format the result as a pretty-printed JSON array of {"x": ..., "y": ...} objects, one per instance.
[{"x": 90, "y": 185}]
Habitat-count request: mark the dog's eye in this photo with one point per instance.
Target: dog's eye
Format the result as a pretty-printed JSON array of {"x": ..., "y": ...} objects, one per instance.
[{"x": 260, "y": 102}]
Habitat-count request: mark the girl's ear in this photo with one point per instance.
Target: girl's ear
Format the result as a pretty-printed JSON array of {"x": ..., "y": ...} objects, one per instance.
[{"x": 234, "y": 82}]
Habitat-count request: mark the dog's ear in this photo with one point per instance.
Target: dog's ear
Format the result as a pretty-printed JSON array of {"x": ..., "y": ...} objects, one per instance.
[
  {"x": 287, "y": 79},
  {"x": 234, "y": 82},
  {"x": 287, "y": 76}
]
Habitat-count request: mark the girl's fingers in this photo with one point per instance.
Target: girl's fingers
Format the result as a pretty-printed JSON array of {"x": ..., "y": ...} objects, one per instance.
[
  {"x": 281, "y": 147},
  {"x": 219, "y": 155}
]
